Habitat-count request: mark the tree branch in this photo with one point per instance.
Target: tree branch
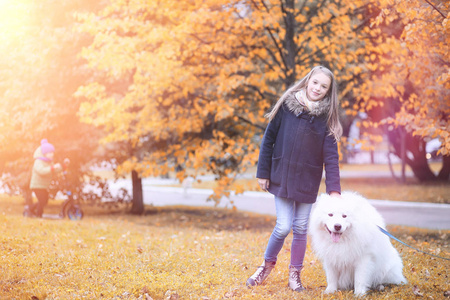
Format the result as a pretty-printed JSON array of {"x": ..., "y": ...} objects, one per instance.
[
  {"x": 250, "y": 123},
  {"x": 245, "y": 46},
  {"x": 263, "y": 95},
  {"x": 311, "y": 14},
  {"x": 300, "y": 9},
  {"x": 432, "y": 5},
  {"x": 278, "y": 47},
  {"x": 311, "y": 55},
  {"x": 263, "y": 4}
]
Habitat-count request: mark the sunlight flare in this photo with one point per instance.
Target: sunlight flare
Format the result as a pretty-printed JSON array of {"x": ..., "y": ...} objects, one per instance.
[{"x": 14, "y": 17}]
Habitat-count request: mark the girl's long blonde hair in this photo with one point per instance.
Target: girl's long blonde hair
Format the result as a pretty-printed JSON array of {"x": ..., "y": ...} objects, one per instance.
[{"x": 334, "y": 126}]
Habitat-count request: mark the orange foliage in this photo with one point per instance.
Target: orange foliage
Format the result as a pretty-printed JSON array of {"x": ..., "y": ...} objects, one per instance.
[
  {"x": 197, "y": 77},
  {"x": 186, "y": 84},
  {"x": 408, "y": 54}
]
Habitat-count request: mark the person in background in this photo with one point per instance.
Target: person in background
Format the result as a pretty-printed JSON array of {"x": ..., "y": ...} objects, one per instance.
[
  {"x": 41, "y": 175},
  {"x": 300, "y": 140}
]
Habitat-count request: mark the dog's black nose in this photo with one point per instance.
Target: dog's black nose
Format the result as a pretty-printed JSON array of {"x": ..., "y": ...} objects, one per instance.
[{"x": 337, "y": 227}]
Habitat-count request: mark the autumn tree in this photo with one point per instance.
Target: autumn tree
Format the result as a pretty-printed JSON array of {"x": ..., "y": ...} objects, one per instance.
[
  {"x": 201, "y": 75},
  {"x": 406, "y": 91}
]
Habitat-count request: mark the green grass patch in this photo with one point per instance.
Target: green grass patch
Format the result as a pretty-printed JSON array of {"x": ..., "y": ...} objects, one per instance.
[{"x": 177, "y": 253}]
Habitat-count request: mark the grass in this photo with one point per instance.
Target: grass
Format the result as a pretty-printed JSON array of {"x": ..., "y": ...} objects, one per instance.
[
  {"x": 371, "y": 188},
  {"x": 380, "y": 188},
  {"x": 177, "y": 253}
]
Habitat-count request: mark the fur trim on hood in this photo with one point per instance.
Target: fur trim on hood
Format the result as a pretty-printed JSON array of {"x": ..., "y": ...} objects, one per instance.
[{"x": 294, "y": 105}]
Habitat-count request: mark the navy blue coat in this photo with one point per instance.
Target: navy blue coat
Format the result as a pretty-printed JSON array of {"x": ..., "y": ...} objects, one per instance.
[{"x": 294, "y": 151}]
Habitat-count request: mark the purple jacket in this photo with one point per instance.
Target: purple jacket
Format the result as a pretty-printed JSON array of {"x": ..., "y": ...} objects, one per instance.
[{"x": 294, "y": 151}]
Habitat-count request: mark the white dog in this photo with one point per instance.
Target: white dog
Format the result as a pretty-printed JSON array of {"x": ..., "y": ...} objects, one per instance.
[{"x": 354, "y": 252}]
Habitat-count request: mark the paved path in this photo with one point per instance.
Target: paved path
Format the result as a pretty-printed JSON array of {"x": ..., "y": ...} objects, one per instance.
[{"x": 422, "y": 215}]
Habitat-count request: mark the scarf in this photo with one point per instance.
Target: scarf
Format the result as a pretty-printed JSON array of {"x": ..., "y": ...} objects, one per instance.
[
  {"x": 303, "y": 100},
  {"x": 298, "y": 102},
  {"x": 44, "y": 158}
]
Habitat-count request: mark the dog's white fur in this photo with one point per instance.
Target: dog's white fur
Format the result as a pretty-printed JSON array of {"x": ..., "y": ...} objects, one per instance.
[{"x": 354, "y": 252}]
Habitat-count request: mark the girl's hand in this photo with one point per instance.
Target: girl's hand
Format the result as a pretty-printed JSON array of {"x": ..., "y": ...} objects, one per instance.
[
  {"x": 335, "y": 194},
  {"x": 57, "y": 167},
  {"x": 264, "y": 184}
]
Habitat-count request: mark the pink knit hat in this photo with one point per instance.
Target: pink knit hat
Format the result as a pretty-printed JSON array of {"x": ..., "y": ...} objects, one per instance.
[{"x": 46, "y": 147}]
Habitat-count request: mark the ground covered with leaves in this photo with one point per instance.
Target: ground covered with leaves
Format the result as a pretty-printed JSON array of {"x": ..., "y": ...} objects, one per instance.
[{"x": 179, "y": 253}]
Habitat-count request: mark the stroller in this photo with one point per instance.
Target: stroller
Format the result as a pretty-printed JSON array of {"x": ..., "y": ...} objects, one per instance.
[{"x": 70, "y": 207}]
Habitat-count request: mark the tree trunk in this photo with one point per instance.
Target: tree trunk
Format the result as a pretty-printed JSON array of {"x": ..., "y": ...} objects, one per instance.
[
  {"x": 137, "y": 207},
  {"x": 422, "y": 170},
  {"x": 346, "y": 125},
  {"x": 403, "y": 153},
  {"x": 417, "y": 160},
  {"x": 444, "y": 173},
  {"x": 289, "y": 44}
]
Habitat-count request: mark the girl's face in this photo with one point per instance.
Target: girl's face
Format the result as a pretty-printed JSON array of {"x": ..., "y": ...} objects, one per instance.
[
  {"x": 50, "y": 155},
  {"x": 318, "y": 86}
]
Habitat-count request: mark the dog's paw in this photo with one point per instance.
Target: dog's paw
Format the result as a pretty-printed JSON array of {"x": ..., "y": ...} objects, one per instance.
[
  {"x": 360, "y": 293},
  {"x": 330, "y": 290}
]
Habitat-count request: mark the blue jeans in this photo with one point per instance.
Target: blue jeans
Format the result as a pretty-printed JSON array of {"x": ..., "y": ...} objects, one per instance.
[{"x": 290, "y": 215}]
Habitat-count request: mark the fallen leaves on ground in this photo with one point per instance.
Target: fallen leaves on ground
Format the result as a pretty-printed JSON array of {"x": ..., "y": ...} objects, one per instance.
[{"x": 179, "y": 253}]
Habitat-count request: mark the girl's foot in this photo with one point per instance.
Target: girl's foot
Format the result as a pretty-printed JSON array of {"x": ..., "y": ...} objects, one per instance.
[
  {"x": 295, "y": 282},
  {"x": 261, "y": 274}
]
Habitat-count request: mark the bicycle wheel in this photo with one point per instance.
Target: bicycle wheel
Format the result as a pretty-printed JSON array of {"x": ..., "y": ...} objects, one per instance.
[{"x": 74, "y": 212}]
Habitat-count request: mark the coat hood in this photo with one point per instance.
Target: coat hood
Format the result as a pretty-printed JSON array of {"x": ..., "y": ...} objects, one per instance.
[{"x": 38, "y": 153}]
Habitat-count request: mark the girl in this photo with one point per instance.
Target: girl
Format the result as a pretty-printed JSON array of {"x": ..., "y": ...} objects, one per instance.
[
  {"x": 41, "y": 176},
  {"x": 299, "y": 141}
]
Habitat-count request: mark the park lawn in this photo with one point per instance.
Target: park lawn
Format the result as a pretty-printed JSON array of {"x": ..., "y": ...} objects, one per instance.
[
  {"x": 376, "y": 187},
  {"x": 178, "y": 253},
  {"x": 371, "y": 188},
  {"x": 379, "y": 188}
]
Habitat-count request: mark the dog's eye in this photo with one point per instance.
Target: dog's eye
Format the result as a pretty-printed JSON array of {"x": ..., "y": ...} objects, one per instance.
[
  {"x": 344, "y": 216},
  {"x": 330, "y": 215}
]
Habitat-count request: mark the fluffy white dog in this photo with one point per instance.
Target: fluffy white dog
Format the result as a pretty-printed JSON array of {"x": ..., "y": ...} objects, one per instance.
[{"x": 354, "y": 252}]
